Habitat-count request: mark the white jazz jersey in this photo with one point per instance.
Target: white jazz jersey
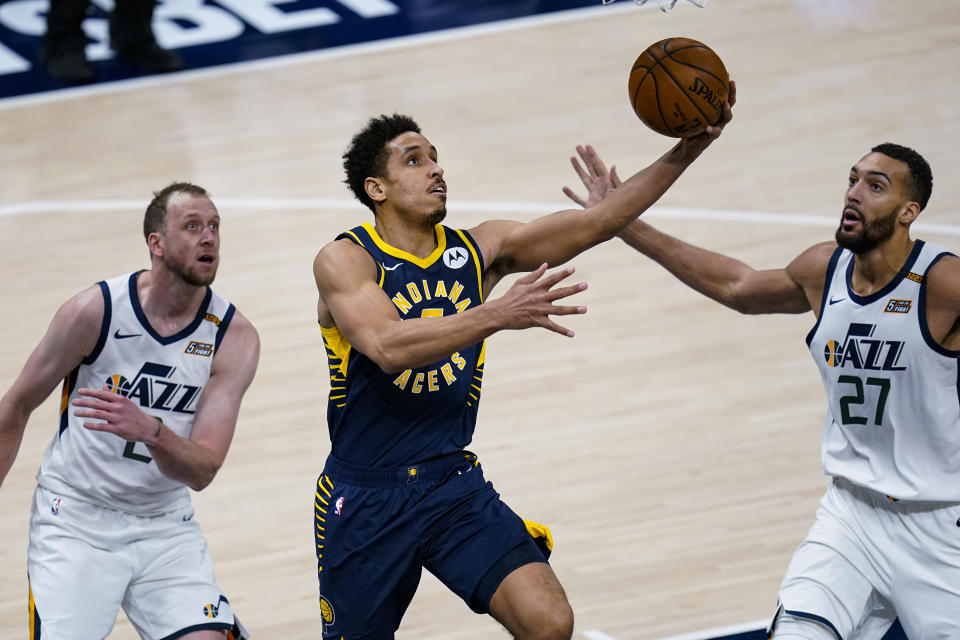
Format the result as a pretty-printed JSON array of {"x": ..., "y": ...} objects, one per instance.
[
  {"x": 893, "y": 393},
  {"x": 165, "y": 376}
]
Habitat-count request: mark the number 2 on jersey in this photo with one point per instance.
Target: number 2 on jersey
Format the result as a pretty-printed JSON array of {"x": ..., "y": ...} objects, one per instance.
[{"x": 857, "y": 398}]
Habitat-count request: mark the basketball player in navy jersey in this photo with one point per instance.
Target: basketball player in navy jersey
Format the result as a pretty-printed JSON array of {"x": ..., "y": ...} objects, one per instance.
[
  {"x": 404, "y": 310},
  {"x": 886, "y": 540},
  {"x": 153, "y": 366}
]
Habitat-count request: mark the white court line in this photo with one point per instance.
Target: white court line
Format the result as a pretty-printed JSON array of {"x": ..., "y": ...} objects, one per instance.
[
  {"x": 389, "y": 44},
  {"x": 595, "y": 634},
  {"x": 466, "y": 206},
  {"x": 722, "y": 631}
]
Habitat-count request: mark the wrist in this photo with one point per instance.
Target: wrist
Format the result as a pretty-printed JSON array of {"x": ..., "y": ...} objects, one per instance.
[{"x": 156, "y": 434}]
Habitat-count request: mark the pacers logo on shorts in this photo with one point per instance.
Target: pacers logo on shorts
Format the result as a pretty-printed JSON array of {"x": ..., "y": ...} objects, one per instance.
[{"x": 326, "y": 612}]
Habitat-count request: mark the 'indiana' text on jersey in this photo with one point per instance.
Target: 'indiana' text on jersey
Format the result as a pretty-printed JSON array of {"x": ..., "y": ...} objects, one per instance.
[{"x": 379, "y": 419}]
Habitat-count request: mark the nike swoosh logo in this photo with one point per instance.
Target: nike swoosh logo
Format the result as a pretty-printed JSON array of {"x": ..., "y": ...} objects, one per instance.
[
  {"x": 391, "y": 268},
  {"x": 121, "y": 336},
  {"x": 188, "y": 518},
  {"x": 835, "y": 301}
]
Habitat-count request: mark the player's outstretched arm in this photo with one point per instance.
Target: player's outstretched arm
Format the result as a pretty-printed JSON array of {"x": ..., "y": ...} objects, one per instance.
[
  {"x": 71, "y": 336},
  {"x": 510, "y": 247},
  {"x": 351, "y": 299},
  {"x": 194, "y": 461},
  {"x": 731, "y": 282}
]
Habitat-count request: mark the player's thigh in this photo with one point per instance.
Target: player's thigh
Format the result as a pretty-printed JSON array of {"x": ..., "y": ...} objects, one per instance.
[
  {"x": 926, "y": 589},
  {"x": 66, "y": 551},
  {"x": 530, "y": 602},
  {"x": 174, "y": 590},
  {"x": 367, "y": 557},
  {"x": 473, "y": 539}
]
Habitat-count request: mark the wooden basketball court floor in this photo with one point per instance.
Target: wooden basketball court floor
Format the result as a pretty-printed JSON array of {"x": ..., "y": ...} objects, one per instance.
[{"x": 672, "y": 445}]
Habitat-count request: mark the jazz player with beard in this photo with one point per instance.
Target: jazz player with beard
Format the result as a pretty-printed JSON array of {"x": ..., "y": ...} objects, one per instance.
[
  {"x": 153, "y": 366},
  {"x": 886, "y": 541},
  {"x": 404, "y": 310}
]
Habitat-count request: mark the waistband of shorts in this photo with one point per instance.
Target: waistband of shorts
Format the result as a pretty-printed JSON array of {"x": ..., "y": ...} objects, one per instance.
[
  {"x": 426, "y": 471},
  {"x": 890, "y": 503}
]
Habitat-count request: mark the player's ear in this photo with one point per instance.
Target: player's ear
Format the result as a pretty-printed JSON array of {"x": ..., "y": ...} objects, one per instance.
[
  {"x": 374, "y": 189},
  {"x": 909, "y": 212},
  {"x": 155, "y": 244}
]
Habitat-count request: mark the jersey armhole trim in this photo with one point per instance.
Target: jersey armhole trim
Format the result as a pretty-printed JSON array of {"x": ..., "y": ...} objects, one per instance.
[
  {"x": 922, "y": 314},
  {"x": 831, "y": 268},
  {"x": 222, "y": 329},
  {"x": 477, "y": 257},
  {"x": 104, "y": 325}
]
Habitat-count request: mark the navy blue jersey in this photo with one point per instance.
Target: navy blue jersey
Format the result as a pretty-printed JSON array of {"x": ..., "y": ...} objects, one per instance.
[{"x": 385, "y": 420}]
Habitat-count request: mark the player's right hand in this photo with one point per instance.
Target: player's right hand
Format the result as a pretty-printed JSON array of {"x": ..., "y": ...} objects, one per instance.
[{"x": 529, "y": 302}]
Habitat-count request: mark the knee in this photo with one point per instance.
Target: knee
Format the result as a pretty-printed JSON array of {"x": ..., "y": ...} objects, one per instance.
[{"x": 557, "y": 624}]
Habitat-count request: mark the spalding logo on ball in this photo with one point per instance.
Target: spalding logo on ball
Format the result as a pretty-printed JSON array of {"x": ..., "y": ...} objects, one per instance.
[{"x": 678, "y": 87}]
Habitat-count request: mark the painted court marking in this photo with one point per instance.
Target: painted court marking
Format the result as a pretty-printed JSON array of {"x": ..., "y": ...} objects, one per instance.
[{"x": 467, "y": 206}]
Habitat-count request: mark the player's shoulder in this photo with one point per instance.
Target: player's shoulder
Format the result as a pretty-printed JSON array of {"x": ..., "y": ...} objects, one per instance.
[
  {"x": 944, "y": 275},
  {"x": 342, "y": 260},
  {"x": 814, "y": 261},
  {"x": 86, "y": 307}
]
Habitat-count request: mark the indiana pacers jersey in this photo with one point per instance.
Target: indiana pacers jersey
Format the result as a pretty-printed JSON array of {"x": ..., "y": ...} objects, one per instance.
[
  {"x": 165, "y": 376},
  {"x": 893, "y": 393},
  {"x": 384, "y": 420}
]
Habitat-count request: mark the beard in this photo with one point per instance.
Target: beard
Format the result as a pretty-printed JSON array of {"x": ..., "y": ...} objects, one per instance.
[
  {"x": 186, "y": 274},
  {"x": 436, "y": 217},
  {"x": 870, "y": 235}
]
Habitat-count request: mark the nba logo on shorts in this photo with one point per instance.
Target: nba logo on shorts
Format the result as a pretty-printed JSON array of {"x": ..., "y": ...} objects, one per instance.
[
  {"x": 338, "y": 505},
  {"x": 55, "y": 506}
]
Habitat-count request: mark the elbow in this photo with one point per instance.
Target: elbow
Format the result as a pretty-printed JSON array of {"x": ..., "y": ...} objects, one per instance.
[
  {"x": 390, "y": 360},
  {"x": 389, "y": 364},
  {"x": 203, "y": 478}
]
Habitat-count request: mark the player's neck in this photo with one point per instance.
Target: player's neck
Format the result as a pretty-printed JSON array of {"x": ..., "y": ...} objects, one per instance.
[
  {"x": 168, "y": 302},
  {"x": 417, "y": 240},
  {"x": 874, "y": 269}
]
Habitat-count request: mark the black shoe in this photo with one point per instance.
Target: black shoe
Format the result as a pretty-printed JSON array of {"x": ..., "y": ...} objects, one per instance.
[
  {"x": 68, "y": 64},
  {"x": 150, "y": 57}
]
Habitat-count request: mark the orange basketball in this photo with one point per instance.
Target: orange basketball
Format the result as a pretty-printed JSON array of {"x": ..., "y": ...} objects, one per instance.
[{"x": 678, "y": 87}]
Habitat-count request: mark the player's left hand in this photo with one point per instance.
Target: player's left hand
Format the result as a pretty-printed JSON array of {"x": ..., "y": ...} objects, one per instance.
[
  {"x": 594, "y": 175},
  {"x": 119, "y": 414}
]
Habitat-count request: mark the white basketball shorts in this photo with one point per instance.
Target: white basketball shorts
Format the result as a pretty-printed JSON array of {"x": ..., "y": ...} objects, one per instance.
[
  {"x": 868, "y": 560},
  {"x": 85, "y": 562}
]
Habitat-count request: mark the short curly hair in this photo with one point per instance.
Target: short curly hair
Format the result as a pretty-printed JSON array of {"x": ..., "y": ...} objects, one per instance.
[
  {"x": 367, "y": 154},
  {"x": 921, "y": 177}
]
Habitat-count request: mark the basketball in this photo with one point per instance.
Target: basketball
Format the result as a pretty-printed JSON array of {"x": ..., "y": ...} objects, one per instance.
[{"x": 678, "y": 87}]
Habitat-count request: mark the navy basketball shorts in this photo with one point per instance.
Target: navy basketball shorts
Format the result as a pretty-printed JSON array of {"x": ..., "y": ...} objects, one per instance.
[{"x": 377, "y": 528}]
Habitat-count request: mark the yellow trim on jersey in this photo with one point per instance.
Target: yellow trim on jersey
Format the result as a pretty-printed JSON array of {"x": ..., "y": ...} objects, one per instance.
[
  {"x": 423, "y": 263},
  {"x": 355, "y": 236},
  {"x": 339, "y": 346},
  {"x": 483, "y": 355},
  {"x": 476, "y": 261}
]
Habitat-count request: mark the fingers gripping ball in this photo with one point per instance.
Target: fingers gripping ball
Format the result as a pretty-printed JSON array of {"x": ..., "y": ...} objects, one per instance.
[{"x": 678, "y": 87}]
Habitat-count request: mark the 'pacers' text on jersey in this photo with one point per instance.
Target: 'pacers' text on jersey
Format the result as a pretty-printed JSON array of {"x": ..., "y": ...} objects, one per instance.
[
  {"x": 893, "y": 392},
  {"x": 380, "y": 419}
]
